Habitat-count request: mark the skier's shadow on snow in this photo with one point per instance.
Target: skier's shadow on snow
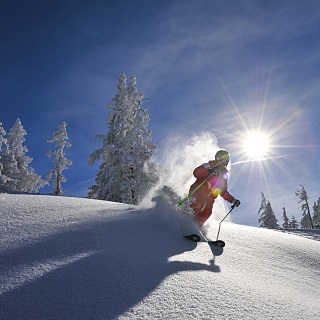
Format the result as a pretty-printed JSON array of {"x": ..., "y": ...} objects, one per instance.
[{"x": 92, "y": 271}]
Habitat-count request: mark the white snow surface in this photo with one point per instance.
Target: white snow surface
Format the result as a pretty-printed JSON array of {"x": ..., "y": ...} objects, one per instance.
[{"x": 69, "y": 258}]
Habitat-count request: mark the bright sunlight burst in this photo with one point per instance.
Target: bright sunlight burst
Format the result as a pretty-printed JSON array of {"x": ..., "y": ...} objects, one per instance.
[{"x": 256, "y": 145}]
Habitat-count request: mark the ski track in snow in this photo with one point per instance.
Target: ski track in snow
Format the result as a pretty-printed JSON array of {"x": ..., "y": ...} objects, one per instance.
[{"x": 67, "y": 258}]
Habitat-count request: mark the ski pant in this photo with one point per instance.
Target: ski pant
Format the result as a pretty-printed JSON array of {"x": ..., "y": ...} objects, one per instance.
[{"x": 201, "y": 203}]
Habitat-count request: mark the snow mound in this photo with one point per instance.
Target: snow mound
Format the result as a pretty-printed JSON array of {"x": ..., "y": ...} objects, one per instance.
[
  {"x": 67, "y": 258},
  {"x": 313, "y": 234}
]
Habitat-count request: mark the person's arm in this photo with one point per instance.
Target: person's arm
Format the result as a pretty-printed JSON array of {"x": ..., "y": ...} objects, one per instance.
[
  {"x": 202, "y": 172},
  {"x": 227, "y": 196}
]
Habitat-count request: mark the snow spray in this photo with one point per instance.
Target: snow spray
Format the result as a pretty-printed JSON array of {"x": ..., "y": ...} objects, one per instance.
[{"x": 179, "y": 157}]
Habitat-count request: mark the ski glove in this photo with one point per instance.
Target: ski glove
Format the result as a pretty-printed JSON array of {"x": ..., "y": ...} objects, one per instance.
[{"x": 236, "y": 202}]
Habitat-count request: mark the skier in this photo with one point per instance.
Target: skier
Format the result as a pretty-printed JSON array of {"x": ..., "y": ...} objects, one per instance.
[{"x": 203, "y": 199}]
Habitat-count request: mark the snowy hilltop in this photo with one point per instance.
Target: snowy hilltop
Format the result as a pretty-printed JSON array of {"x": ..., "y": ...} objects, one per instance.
[{"x": 68, "y": 258}]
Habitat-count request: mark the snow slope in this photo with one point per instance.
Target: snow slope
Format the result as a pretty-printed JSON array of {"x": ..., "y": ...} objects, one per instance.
[{"x": 68, "y": 258}]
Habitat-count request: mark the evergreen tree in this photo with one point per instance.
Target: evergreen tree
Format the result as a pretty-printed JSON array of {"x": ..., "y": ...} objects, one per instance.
[
  {"x": 285, "y": 224},
  {"x": 9, "y": 169},
  {"x": 316, "y": 214},
  {"x": 2, "y": 137},
  {"x": 127, "y": 170},
  {"x": 16, "y": 163},
  {"x": 143, "y": 169},
  {"x": 262, "y": 211},
  {"x": 306, "y": 221},
  {"x": 293, "y": 223},
  {"x": 60, "y": 161},
  {"x": 3, "y": 148},
  {"x": 267, "y": 217}
]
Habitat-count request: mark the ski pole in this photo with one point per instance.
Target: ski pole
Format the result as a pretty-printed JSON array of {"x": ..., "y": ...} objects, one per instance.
[
  {"x": 232, "y": 207},
  {"x": 195, "y": 190}
]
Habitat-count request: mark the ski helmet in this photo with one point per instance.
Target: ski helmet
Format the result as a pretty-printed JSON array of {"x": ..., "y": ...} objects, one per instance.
[{"x": 222, "y": 156}]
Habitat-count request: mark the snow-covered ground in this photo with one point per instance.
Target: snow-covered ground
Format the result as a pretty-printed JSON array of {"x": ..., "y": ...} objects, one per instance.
[{"x": 68, "y": 258}]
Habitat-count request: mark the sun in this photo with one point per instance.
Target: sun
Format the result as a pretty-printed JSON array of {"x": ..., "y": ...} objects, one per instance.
[{"x": 256, "y": 145}]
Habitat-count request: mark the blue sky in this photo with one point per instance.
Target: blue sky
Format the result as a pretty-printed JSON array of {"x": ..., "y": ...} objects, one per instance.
[{"x": 224, "y": 67}]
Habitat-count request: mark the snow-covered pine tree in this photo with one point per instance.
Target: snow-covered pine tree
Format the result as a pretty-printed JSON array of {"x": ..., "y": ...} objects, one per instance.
[
  {"x": 271, "y": 220},
  {"x": 3, "y": 148},
  {"x": 9, "y": 167},
  {"x": 267, "y": 217},
  {"x": 16, "y": 164},
  {"x": 127, "y": 170},
  {"x": 306, "y": 221},
  {"x": 262, "y": 210},
  {"x": 60, "y": 161},
  {"x": 141, "y": 146},
  {"x": 285, "y": 224},
  {"x": 316, "y": 214},
  {"x": 2, "y": 139},
  {"x": 294, "y": 223}
]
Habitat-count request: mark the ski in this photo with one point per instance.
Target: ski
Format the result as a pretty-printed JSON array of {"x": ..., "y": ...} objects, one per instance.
[
  {"x": 194, "y": 237},
  {"x": 218, "y": 243}
]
